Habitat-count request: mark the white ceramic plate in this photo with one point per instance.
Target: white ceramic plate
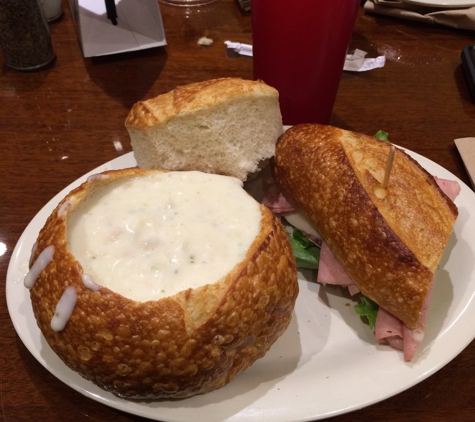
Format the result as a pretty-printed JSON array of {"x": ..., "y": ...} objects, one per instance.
[
  {"x": 445, "y": 4},
  {"x": 326, "y": 363}
]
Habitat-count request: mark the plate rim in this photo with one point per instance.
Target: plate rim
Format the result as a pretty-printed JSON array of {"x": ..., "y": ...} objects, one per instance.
[{"x": 443, "y": 4}]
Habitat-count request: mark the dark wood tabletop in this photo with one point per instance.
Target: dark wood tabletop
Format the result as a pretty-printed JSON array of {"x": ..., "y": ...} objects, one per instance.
[{"x": 58, "y": 123}]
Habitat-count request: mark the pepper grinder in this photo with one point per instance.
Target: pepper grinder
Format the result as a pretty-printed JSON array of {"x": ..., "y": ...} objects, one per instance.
[
  {"x": 24, "y": 35},
  {"x": 52, "y": 9}
]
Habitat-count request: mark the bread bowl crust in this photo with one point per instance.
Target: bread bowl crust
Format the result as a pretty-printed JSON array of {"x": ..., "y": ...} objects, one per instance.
[
  {"x": 176, "y": 347},
  {"x": 389, "y": 241}
]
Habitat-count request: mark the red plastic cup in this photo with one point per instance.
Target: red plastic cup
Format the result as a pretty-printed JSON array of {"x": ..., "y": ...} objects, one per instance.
[{"x": 299, "y": 48}]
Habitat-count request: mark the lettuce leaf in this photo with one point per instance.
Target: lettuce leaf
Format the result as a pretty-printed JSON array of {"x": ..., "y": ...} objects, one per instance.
[
  {"x": 381, "y": 135},
  {"x": 307, "y": 254},
  {"x": 367, "y": 308}
]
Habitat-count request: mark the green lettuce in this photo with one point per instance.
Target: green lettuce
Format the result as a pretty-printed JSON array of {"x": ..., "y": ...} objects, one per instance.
[
  {"x": 367, "y": 308},
  {"x": 381, "y": 135},
  {"x": 307, "y": 254}
]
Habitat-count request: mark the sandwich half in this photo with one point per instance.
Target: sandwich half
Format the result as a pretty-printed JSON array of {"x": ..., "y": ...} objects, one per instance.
[{"x": 388, "y": 240}]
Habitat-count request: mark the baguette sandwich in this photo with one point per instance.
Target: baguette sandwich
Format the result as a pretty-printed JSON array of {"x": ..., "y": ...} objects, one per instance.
[
  {"x": 160, "y": 285},
  {"x": 386, "y": 242}
]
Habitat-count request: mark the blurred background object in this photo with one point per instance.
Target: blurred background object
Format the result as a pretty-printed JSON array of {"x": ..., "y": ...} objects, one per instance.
[{"x": 24, "y": 35}]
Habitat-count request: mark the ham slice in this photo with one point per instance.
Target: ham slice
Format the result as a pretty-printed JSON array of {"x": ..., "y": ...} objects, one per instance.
[
  {"x": 449, "y": 187},
  {"x": 389, "y": 329},
  {"x": 330, "y": 270},
  {"x": 275, "y": 201}
]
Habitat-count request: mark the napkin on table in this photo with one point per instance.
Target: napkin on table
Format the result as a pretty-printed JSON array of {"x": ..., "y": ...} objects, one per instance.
[
  {"x": 466, "y": 148},
  {"x": 355, "y": 62},
  {"x": 455, "y": 18}
]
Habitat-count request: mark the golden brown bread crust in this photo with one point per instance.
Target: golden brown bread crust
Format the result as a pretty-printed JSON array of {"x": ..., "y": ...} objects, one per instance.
[
  {"x": 176, "y": 347},
  {"x": 185, "y": 99},
  {"x": 390, "y": 241}
]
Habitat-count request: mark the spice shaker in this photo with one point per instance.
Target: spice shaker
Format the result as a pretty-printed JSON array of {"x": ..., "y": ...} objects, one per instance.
[
  {"x": 52, "y": 9},
  {"x": 24, "y": 35}
]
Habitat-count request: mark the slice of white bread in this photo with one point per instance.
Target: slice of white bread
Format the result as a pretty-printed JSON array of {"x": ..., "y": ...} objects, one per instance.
[{"x": 223, "y": 126}]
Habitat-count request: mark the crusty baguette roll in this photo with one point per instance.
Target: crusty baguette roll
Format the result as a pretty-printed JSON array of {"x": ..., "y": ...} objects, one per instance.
[
  {"x": 223, "y": 126},
  {"x": 187, "y": 343},
  {"x": 389, "y": 241}
]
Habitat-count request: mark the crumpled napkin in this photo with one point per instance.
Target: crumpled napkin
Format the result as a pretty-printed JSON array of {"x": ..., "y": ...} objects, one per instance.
[
  {"x": 455, "y": 18},
  {"x": 354, "y": 62}
]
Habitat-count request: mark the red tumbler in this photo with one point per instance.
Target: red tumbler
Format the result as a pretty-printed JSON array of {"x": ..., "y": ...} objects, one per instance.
[{"x": 299, "y": 48}]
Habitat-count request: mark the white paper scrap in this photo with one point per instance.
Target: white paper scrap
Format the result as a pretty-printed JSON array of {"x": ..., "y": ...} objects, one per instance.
[
  {"x": 242, "y": 49},
  {"x": 356, "y": 62}
]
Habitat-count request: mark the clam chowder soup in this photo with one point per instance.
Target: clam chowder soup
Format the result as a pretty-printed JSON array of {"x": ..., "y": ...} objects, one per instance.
[{"x": 152, "y": 236}]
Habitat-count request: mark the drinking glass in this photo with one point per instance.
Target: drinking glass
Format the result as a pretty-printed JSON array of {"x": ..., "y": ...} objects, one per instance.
[{"x": 299, "y": 48}]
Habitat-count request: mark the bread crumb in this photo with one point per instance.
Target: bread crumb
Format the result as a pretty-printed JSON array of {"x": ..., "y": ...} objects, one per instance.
[{"x": 205, "y": 41}]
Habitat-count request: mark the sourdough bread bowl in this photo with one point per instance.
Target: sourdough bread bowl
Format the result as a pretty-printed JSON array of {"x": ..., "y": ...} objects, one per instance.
[{"x": 140, "y": 342}]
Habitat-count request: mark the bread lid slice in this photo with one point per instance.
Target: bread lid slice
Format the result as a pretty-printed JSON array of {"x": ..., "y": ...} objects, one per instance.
[{"x": 225, "y": 126}]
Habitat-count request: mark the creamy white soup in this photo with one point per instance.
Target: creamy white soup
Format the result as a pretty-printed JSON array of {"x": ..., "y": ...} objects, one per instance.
[{"x": 152, "y": 236}]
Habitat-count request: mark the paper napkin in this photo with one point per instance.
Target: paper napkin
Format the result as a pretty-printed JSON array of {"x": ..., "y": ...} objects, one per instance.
[{"x": 455, "y": 18}]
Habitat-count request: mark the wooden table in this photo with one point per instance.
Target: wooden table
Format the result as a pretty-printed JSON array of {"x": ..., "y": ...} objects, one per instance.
[{"x": 61, "y": 122}]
